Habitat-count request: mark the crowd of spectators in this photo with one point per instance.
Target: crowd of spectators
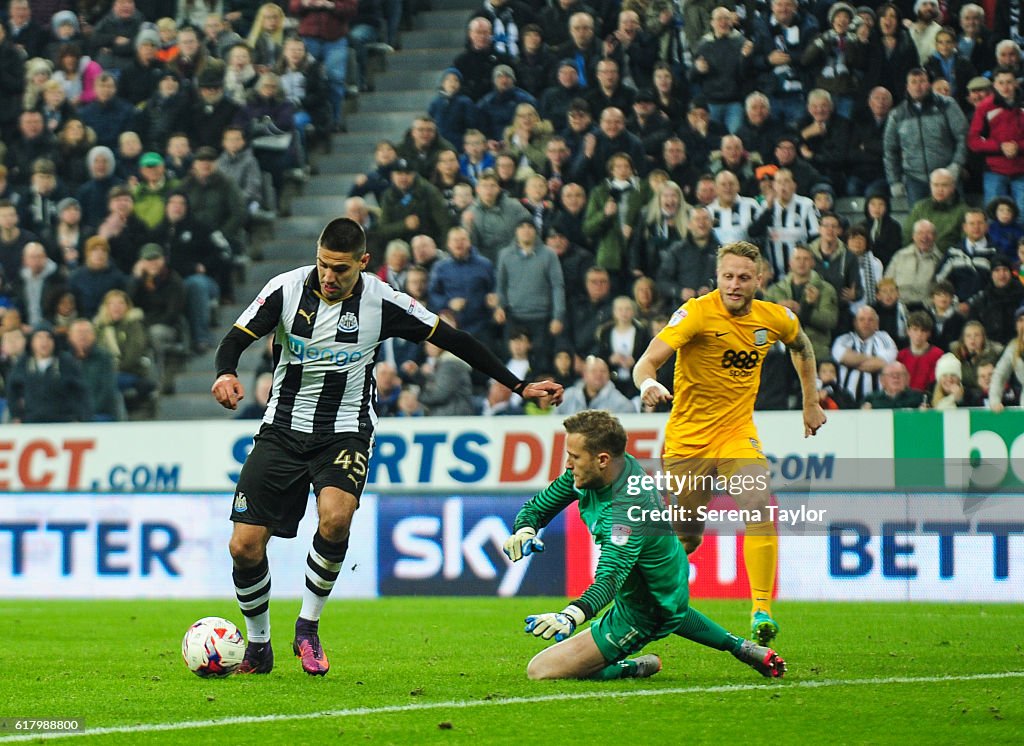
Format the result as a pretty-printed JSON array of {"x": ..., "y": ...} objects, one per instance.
[
  {"x": 140, "y": 144},
  {"x": 568, "y": 185},
  {"x": 581, "y": 164}
]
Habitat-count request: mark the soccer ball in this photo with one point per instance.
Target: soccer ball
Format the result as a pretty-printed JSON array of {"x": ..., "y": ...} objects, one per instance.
[{"x": 213, "y": 647}]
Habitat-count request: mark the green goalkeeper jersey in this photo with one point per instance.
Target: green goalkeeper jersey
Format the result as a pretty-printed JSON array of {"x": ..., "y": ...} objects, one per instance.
[{"x": 642, "y": 563}]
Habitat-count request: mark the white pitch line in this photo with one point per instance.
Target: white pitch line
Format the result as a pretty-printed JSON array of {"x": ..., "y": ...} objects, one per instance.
[{"x": 466, "y": 704}]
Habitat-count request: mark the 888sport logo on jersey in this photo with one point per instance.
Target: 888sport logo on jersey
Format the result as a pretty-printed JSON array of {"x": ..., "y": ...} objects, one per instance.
[{"x": 740, "y": 364}]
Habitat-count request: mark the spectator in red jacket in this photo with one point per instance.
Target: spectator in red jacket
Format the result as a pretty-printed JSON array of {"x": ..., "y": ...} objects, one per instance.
[{"x": 997, "y": 131}]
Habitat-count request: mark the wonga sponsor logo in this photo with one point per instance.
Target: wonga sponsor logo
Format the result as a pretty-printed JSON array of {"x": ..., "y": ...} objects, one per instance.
[{"x": 306, "y": 353}]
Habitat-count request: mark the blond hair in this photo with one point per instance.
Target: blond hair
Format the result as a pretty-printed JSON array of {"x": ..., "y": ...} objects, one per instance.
[
  {"x": 744, "y": 249},
  {"x": 257, "y": 25},
  {"x": 681, "y": 220},
  {"x": 35, "y": 66}
]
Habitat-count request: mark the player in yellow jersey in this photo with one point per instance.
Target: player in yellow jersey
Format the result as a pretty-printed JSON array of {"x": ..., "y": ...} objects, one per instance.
[{"x": 720, "y": 341}]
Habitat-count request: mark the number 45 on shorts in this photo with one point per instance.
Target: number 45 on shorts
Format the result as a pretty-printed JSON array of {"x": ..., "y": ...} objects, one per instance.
[{"x": 353, "y": 462}]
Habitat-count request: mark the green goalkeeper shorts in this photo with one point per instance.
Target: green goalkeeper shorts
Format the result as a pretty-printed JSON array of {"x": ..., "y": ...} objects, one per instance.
[{"x": 625, "y": 629}]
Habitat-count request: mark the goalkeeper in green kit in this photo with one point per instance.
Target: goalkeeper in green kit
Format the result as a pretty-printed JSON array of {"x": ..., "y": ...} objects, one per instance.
[{"x": 643, "y": 567}]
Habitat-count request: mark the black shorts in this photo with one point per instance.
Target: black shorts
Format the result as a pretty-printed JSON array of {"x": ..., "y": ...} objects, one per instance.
[{"x": 273, "y": 488}]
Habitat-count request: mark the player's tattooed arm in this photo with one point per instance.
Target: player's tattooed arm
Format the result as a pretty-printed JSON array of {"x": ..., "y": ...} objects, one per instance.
[
  {"x": 801, "y": 352},
  {"x": 800, "y": 348}
]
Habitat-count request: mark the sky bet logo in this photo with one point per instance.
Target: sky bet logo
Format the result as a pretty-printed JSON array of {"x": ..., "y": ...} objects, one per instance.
[
  {"x": 433, "y": 545},
  {"x": 305, "y": 353}
]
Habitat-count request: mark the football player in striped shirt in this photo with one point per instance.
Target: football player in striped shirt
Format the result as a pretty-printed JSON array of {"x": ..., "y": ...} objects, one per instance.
[{"x": 327, "y": 321}]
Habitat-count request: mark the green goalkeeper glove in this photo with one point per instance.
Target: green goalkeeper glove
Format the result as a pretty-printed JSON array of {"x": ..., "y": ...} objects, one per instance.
[
  {"x": 522, "y": 543},
  {"x": 560, "y": 625}
]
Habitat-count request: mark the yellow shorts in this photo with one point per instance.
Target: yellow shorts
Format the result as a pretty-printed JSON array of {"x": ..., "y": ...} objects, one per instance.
[{"x": 699, "y": 470}]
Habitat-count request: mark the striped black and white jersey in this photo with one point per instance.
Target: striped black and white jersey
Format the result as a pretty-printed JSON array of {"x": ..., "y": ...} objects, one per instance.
[
  {"x": 324, "y": 379},
  {"x": 860, "y": 383},
  {"x": 732, "y": 222},
  {"x": 796, "y": 223}
]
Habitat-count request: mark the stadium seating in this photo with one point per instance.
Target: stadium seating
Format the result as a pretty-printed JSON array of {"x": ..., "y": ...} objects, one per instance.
[{"x": 404, "y": 83}]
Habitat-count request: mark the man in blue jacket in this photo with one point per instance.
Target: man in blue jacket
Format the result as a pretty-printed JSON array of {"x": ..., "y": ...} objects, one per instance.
[{"x": 464, "y": 283}]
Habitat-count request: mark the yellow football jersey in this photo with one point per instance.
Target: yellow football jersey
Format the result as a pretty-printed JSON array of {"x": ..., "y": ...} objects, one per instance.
[{"x": 718, "y": 366}]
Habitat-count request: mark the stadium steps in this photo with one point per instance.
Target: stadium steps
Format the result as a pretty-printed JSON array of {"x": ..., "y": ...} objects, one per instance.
[
  {"x": 335, "y": 183},
  {"x": 445, "y": 21},
  {"x": 193, "y": 382},
  {"x": 355, "y": 143},
  {"x": 396, "y": 100},
  {"x": 391, "y": 124},
  {"x": 334, "y": 166},
  {"x": 301, "y": 227},
  {"x": 409, "y": 80},
  {"x": 422, "y": 59},
  {"x": 292, "y": 254},
  {"x": 321, "y": 206},
  {"x": 463, "y": 6},
  {"x": 441, "y": 35},
  {"x": 197, "y": 383},
  {"x": 405, "y": 82},
  {"x": 190, "y": 406}
]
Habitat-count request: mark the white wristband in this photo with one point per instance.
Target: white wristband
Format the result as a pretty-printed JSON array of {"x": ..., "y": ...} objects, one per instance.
[{"x": 650, "y": 383}]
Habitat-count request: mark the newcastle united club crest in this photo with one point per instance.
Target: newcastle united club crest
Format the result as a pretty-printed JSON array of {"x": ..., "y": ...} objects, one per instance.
[{"x": 348, "y": 322}]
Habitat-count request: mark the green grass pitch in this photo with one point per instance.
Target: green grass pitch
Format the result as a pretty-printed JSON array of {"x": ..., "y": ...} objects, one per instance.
[{"x": 432, "y": 670}]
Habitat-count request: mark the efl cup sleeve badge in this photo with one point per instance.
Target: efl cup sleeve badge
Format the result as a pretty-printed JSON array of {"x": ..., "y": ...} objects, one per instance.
[
  {"x": 241, "y": 504},
  {"x": 621, "y": 534},
  {"x": 348, "y": 322},
  {"x": 421, "y": 312},
  {"x": 677, "y": 316},
  {"x": 761, "y": 337}
]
